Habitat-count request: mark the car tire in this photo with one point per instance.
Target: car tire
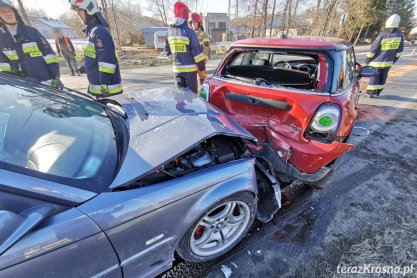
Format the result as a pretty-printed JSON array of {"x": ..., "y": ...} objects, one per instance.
[{"x": 219, "y": 226}]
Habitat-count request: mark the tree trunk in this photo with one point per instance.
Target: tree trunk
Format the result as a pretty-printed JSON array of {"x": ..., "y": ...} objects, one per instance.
[
  {"x": 328, "y": 16},
  {"x": 318, "y": 6},
  {"x": 254, "y": 18},
  {"x": 24, "y": 13},
  {"x": 265, "y": 15},
  {"x": 316, "y": 18},
  {"x": 284, "y": 17},
  {"x": 228, "y": 21},
  {"x": 162, "y": 12},
  {"x": 289, "y": 21},
  {"x": 272, "y": 19},
  {"x": 119, "y": 42},
  {"x": 353, "y": 32},
  {"x": 237, "y": 11},
  {"x": 360, "y": 32}
]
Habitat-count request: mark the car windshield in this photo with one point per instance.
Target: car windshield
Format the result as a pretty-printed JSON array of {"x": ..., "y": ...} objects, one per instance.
[{"x": 59, "y": 137}]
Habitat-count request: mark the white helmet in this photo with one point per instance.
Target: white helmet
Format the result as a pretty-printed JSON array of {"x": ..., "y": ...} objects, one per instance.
[
  {"x": 393, "y": 21},
  {"x": 6, "y": 4},
  {"x": 9, "y": 4},
  {"x": 90, "y": 6}
]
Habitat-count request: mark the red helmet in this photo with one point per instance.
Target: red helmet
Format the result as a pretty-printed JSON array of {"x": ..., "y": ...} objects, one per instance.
[
  {"x": 181, "y": 10},
  {"x": 197, "y": 17}
]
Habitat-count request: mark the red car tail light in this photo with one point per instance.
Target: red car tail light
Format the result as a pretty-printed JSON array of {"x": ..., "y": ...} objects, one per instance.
[{"x": 325, "y": 123}]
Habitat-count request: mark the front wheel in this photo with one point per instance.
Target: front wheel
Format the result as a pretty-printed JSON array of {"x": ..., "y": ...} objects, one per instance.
[{"x": 220, "y": 228}]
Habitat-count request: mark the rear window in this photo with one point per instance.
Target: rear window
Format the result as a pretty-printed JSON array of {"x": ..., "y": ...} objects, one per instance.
[
  {"x": 61, "y": 137},
  {"x": 278, "y": 68}
]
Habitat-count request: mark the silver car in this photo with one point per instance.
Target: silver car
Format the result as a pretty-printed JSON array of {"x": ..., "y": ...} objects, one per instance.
[{"x": 114, "y": 188}]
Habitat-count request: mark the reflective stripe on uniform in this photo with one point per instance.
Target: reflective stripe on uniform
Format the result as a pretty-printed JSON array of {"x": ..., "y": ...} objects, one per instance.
[
  {"x": 5, "y": 67},
  {"x": 178, "y": 40},
  {"x": 200, "y": 57},
  {"x": 390, "y": 43},
  {"x": 90, "y": 50},
  {"x": 398, "y": 55},
  {"x": 374, "y": 87},
  {"x": 381, "y": 64},
  {"x": 50, "y": 59},
  {"x": 30, "y": 47},
  {"x": 370, "y": 55},
  {"x": 113, "y": 89},
  {"x": 11, "y": 55},
  {"x": 186, "y": 68},
  {"x": 107, "y": 67}
]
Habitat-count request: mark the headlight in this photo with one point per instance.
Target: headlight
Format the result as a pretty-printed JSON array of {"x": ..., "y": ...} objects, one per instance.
[
  {"x": 205, "y": 91},
  {"x": 326, "y": 121}
]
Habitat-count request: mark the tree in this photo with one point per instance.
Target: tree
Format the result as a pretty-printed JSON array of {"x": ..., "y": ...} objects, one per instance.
[
  {"x": 160, "y": 9},
  {"x": 23, "y": 12},
  {"x": 36, "y": 13},
  {"x": 405, "y": 9},
  {"x": 72, "y": 20}
]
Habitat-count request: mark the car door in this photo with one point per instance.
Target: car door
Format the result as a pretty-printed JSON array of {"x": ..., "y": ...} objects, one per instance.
[{"x": 65, "y": 244}]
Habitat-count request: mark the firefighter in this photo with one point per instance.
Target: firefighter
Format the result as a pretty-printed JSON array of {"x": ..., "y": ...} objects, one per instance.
[
  {"x": 100, "y": 61},
  {"x": 24, "y": 51},
  {"x": 385, "y": 51},
  {"x": 65, "y": 48},
  {"x": 196, "y": 23},
  {"x": 182, "y": 43}
]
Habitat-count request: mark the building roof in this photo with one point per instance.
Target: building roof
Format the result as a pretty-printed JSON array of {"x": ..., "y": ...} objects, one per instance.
[
  {"x": 53, "y": 23},
  {"x": 295, "y": 42}
]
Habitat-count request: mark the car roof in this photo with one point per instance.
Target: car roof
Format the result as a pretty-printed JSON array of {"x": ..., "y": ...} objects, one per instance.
[{"x": 319, "y": 43}]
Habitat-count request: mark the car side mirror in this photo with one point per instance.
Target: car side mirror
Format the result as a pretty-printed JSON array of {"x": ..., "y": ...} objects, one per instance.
[
  {"x": 367, "y": 71},
  {"x": 14, "y": 226}
]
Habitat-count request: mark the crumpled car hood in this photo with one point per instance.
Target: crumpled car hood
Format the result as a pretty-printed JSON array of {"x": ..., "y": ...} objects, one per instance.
[{"x": 165, "y": 123}]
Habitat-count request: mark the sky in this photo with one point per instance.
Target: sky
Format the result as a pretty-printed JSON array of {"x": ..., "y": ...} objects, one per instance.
[{"x": 54, "y": 8}]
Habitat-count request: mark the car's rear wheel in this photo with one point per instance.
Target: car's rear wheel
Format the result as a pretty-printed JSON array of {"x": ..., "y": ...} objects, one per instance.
[{"x": 219, "y": 229}]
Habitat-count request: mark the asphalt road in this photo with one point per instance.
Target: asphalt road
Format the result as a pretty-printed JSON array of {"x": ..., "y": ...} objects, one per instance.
[{"x": 368, "y": 215}]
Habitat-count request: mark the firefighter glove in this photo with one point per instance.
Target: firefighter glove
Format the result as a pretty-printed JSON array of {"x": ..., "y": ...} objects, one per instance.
[
  {"x": 57, "y": 84},
  {"x": 104, "y": 89}
]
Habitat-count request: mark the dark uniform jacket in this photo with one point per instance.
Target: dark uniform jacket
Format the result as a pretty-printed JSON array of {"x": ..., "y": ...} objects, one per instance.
[
  {"x": 386, "y": 49},
  {"x": 30, "y": 55},
  {"x": 100, "y": 63},
  {"x": 183, "y": 44}
]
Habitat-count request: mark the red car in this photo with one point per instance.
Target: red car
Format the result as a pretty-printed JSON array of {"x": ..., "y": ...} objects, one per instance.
[{"x": 297, "y": 96}]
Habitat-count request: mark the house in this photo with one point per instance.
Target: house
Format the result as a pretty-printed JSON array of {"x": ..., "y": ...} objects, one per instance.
[
  {"x": 216, "y": 26},
  {"x": 154, "y": 36},
  {"x": 47, "y": 26}
]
